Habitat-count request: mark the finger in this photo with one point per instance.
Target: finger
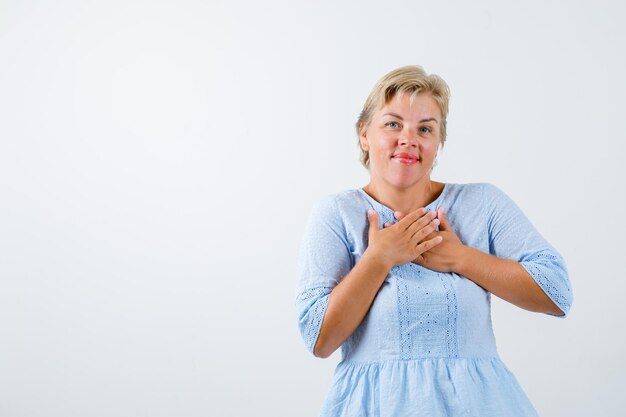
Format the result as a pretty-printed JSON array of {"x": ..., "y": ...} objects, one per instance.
[
  {"x": 427, "y": 245},
  {"x": 441, "y": 215},
  {"x": 419, "y": 234},
  {"x": 398, "y": 215},
  {"x": 372, "y": 217},
  {"x": 430, "y": 236},
  {"x": 410, "y": 218},
  {"x": 421, "y": 223},
  {"x": 387, "y": 224}
]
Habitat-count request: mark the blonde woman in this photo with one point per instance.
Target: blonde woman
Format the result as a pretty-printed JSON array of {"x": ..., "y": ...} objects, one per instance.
[{"x": 400, "y": 273}]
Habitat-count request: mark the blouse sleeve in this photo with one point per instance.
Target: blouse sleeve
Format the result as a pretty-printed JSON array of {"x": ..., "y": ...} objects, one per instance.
[
  {"x": 512, "y": 236},
  {"x": 325, "y": 258}
]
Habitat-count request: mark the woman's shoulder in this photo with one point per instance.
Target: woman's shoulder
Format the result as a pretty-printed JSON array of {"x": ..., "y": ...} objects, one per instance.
[
  {"x": 342, "y": 199},
  {"x": 339, "y": 204},
  {"x": 472, "y": 187},
  {"x": 472, "y": 190},
  {"x": 482, "y": 196}
]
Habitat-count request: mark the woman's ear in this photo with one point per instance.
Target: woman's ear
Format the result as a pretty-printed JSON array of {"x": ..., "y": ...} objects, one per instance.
[{"x": 363, "y": 140}]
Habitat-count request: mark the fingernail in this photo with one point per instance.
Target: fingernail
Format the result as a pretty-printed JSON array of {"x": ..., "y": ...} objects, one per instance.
[{"x": 370, "y": 212}]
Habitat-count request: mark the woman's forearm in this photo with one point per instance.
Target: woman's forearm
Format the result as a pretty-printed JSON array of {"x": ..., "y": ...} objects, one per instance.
[
  {"x": 505, "y": 278},
  {"x": 350, "y": 301}
]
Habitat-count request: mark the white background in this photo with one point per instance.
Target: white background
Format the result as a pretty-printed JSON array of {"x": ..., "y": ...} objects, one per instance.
[{"x": 158, "y": 161}]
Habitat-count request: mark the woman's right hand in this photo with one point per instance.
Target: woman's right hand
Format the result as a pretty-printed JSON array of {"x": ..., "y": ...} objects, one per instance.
[{"x": 403, "y": 241}]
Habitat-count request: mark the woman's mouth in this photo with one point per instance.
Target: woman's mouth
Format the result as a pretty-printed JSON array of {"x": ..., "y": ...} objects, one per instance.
[{"x": 406, "y": 158}]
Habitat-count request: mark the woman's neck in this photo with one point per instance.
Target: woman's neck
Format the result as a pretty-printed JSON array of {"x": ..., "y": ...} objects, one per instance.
[{"x": 405, "y": 200}]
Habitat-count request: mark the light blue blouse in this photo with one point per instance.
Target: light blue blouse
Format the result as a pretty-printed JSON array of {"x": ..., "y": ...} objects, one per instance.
[{"x": 426, "y": 347}]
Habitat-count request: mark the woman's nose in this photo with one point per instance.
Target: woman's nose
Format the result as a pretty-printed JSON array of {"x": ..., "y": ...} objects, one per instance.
[{"x": 408, "y": 138}]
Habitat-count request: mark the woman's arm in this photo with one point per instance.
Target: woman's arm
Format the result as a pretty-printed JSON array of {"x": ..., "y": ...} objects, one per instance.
[
  {"x": 521, "y": 267},
  {"x": 349, "y": 302},
  {"x": 505, "y": 278},
  {"x": 351, "y": 299}
]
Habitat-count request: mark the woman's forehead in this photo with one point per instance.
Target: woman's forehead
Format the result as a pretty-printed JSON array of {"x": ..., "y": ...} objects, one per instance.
[{"x": 411, "y": 105}]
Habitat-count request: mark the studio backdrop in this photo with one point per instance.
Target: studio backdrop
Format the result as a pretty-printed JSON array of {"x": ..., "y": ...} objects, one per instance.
[{"x": 158, "y": 162}]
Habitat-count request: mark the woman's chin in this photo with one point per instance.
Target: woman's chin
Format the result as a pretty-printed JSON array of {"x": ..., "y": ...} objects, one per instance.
[
  {"x": 410, "y": 178},
  {"x": 407, "y": 183}
]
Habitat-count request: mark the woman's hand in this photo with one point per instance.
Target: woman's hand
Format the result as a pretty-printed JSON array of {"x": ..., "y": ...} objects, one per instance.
[
  {"x": 505, "y": 278},
  {"x": 445, "y": 256},
  {"x": 405, "y": 240}
]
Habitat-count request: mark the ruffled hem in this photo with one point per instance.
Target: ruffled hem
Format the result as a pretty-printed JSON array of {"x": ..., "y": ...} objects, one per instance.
[{"x": 443, "y": 387}]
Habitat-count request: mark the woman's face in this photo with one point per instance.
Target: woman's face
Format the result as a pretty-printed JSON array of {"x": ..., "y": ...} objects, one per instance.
[{"x": 402, "y": 140}]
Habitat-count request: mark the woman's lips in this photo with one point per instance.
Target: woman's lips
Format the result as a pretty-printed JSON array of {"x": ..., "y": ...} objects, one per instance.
[{"x": 406, "y": 159}]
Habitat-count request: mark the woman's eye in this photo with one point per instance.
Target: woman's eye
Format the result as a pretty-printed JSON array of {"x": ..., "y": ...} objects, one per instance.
[
  {"x": 392, "y": 125},
  {"x": 425, "y": 129}
]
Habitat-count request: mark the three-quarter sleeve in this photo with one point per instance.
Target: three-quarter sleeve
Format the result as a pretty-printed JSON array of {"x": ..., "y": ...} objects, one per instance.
[
  {"x": 324, "y": 259},
  {"x": 512, "y": 236}
]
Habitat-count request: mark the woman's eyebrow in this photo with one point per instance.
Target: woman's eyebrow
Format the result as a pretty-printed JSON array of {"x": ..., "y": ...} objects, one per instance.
[{"x": 397, "y": 116}]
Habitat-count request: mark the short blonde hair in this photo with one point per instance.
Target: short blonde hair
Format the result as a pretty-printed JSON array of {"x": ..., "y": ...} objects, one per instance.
[{"x": 411, "y": 80}]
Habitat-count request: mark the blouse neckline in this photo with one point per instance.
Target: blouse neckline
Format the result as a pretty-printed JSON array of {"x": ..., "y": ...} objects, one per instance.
[{"x": 379, "y": 207}]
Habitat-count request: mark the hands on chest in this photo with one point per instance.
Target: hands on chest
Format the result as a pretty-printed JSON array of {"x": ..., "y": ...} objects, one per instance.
[
  {"x": 445, "y": 250},
  {"x": 445, "y": 256}
]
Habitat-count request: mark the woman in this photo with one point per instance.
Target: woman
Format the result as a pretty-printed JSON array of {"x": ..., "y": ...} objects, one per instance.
[{"x": 400, "y": 272}]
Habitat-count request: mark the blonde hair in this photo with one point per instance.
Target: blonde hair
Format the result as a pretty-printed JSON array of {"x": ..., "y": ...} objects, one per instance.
[{"x": 411, "y": 80}]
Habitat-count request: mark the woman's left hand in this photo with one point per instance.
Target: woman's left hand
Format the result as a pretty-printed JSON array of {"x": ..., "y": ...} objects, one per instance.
[{"x": 445, "y": 256}]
